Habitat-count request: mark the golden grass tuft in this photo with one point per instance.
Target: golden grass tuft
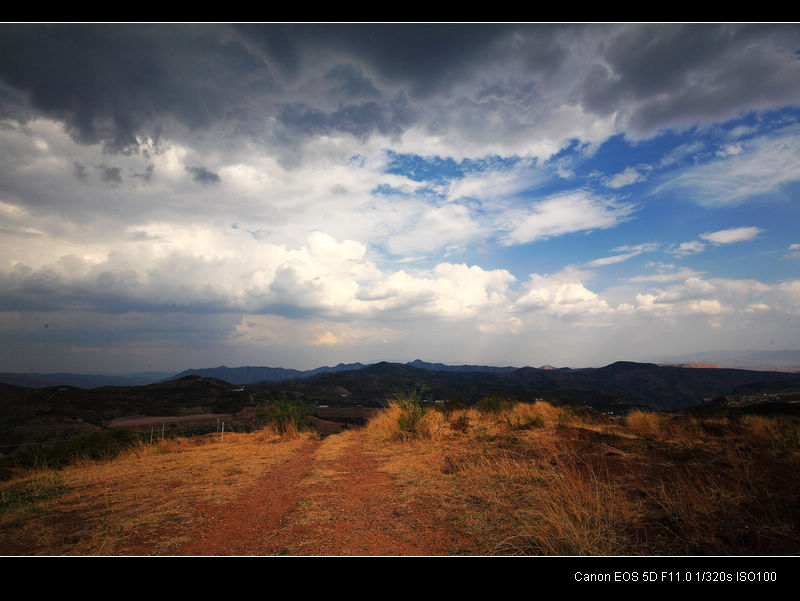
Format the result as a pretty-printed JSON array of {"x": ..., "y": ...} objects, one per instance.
[
  {"x": 782, "y": 434},
  {"x": 644, "y": 423},
  {"x": 546, "y": 411},
  {"x": 406, "y": 420}
]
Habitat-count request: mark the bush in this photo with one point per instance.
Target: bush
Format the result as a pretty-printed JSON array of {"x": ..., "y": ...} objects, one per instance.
[
  {"x": 412, "y": 411},
  {"x": 494, "y": 404},
  {"x": 287, "y": 416},
  {"x": 105, "y": 444}
]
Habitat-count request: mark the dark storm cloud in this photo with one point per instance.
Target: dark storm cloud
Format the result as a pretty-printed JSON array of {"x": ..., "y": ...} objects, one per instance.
[
  {"x": 80, "y": 172},
  {"x": 689, "y": 72},
  {"x": 421, "y": 56},
  {"x": 357, "y": 119},
  {"x": 112, "y": 83},
  {"x": 116, "y": 83},
  {"x": 203, "y": 176},
  {"x": 147, "y": 174},
  {"x": 109, "y": 291},
  {"x": 348, "y": 81},
  {"x": 111, "y": 175}
]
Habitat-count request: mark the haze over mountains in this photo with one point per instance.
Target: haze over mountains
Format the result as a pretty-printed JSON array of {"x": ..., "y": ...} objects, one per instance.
[{"x": 788, "y": 360}]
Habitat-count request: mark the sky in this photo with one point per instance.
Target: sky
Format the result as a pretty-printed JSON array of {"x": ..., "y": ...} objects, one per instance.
[{"x": 179, "y": 196}]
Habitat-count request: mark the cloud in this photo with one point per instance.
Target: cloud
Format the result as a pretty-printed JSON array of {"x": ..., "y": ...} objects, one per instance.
[
  {"x": 630, "y": 175},
  {"x": 80, "y": 171},
  {"x": 659, "y": 76},
  {"x": 450, "y": 290},
  {"x": 731, "y": 236},
  {"x": 307, "y": 188},
  {"x": 687, "y": 248},
  {"x": 666, "y": 273},
  {"x": 691, "y": 289},
  {"x": 562, "y": 295},
  {"x": 762, "y": 165},
  {"x": 326, "y": 339},
  {"x": 611, "y": 260},
  {"x": 203, "y": 176},
  {"x": 110, "y": 175},
  {"x": 680, "y": 153},
  {"x": 631, "y": 251},
  {"x": 564, "y": 213},
  {"x": 434, "y": 227},
  {"x": 529, "y": 89}
]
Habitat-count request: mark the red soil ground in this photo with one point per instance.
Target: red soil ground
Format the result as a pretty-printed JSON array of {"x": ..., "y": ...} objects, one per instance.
[{"x": 328, "y": 499}]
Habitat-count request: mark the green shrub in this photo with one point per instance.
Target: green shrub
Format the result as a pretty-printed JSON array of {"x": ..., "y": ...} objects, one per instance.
[
  {"x": 105, "y": 444},
  {"x": 494, "y": 404},
  {"x": 412, "y": 410},
  {"x": 286, "y": 415}
]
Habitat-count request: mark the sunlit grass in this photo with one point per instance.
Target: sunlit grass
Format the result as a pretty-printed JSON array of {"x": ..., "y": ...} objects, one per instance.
[
  {"x": 513, "y": 478},
  {"x": 147, "y": 490}
]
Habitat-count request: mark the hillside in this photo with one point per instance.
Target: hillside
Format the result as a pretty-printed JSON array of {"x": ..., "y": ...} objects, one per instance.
[
  {"x": 35, "y": 415},
  {"x": 615, "y": 388},
  {"x": 56, "y": 413},
  {"x": 498, "y": 479}
]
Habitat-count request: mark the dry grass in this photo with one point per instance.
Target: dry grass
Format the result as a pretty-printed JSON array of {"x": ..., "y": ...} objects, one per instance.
[
  {"x": 97, "y": 507},
  {"x": 525, "y": 479},
  {"x": 539, "y": 479},
  {"x": 401, "y": 421},
  {"x": 505, "y": 481},
  {"x": 782, "y": 434},
  {"x": 644, "y": 423}
]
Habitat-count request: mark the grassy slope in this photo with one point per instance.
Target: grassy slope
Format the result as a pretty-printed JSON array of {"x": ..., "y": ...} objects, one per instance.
[{"x": 511, "y": 478}]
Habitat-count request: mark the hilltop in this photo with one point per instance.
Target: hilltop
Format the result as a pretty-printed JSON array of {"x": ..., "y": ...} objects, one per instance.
[{"x": 500, "y": 478}]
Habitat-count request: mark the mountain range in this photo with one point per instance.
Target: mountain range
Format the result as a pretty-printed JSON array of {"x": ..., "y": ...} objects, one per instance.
[
  {"x": 614, "y": 388},
  {"x": 786, "y": 360},
  {"x": 54, "y": 413}
]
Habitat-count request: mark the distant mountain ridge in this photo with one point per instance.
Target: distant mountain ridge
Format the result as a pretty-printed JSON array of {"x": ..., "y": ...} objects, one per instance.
[
  {"x": 785, "y": 361},
  {"x": 252, "y": 374},
  {"x": 620, "y": 385},
  {"x": 460, "y": 368}
]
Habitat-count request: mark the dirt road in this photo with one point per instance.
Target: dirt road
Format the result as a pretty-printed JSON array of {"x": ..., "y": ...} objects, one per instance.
[{"x": 329, "y": 498}]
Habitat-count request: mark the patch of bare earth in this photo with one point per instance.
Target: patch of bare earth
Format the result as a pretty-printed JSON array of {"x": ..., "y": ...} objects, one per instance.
[
  {"x": 351, "y": 507},
  {"x": 328, "y": 498}
]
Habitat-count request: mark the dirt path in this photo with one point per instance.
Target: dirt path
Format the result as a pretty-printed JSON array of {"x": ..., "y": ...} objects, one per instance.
[
  {"x": 243, "y": 526},
  {"x": 330, "y": 498}
]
